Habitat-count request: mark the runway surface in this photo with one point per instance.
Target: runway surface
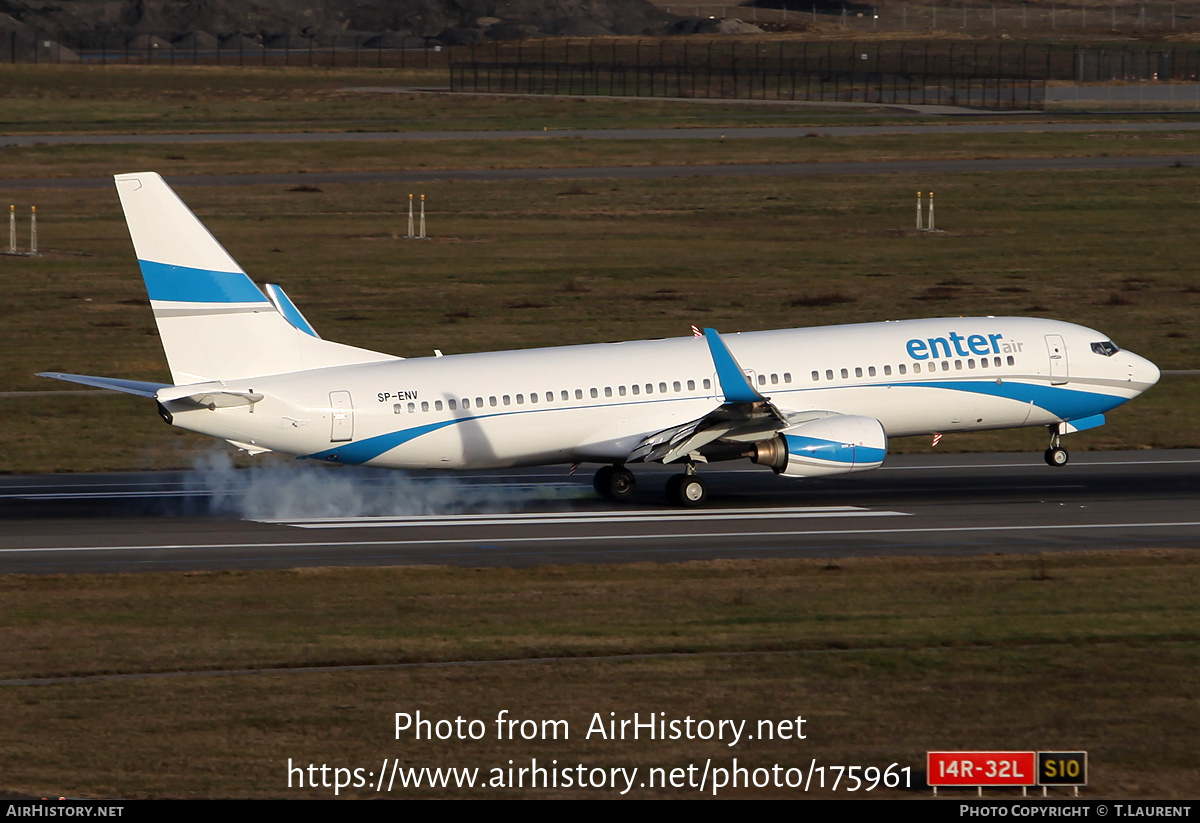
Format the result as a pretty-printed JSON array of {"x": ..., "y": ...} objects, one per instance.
[
  {"x": 310, "y": 515},
  {"x": 683, "y": 133}
]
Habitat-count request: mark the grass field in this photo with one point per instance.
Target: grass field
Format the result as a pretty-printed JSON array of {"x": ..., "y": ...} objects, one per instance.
[{"x": 884, "y": 658}]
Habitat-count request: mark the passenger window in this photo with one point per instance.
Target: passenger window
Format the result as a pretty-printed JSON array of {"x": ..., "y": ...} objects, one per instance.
[
  {"x": 507, "y": 400},
  {"x": 636, "y": 388},
  {"x": 579, "y": 394},
  {"x": 816, "y": 376},
  {"x": 532, "y": 397},
  {"x": 437, "y": 405},
  {"x": 412, "y": 407},
  {"x": 479, "y": 403},
  {"x": 453, "y": 405},
  {"x": 916, "y": 368},
  {"x": 887, "y": 371},
  {"x": 762, "y": 380},
  {"x": 707, "y": 383},
  {"x": 662, "y": 388},
  {"x": 608, "y": 391},
  {"x": 958, "y": 365},
  {"x": 858, "y": 371},
  {"x": 774, "y": 379},
  {"x": 691, "y": 385},
  {"x": 870, "y": 371},
  {"x": 787, "y": 377},
  {"x": 845, "y": 374},
  {"x": 1011, "y": 361},
  {"x": 829, "y": 374},
  {"x": 649, "y": 388},
  {"x": 594, "y": 393},
  {"x": 621, "y": 390},
  {"x": 676, "y": 386},
  {"x": 520, "y": 400},
  {"x": 398, "y": 408},
  {"x": 492, "y": 401}
]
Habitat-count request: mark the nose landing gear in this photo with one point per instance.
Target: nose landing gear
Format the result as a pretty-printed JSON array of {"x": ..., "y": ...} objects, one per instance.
[{"x": 1056, "y": 455}]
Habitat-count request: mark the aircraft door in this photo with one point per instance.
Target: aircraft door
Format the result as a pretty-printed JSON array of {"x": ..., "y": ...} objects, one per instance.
[
  {"x": 1057, "y": 350},
  {"x": 341, "y": 412}
]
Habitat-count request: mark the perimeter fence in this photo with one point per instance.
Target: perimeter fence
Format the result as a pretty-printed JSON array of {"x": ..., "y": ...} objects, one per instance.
[{"x": 988, "y": 75}]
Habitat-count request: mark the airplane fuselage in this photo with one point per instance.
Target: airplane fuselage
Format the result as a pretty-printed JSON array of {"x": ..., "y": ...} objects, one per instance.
[{"x": 595, "y": 403}]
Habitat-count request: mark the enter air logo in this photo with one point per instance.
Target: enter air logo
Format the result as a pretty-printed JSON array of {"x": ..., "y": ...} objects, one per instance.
[{"x": 956, "y": 344}]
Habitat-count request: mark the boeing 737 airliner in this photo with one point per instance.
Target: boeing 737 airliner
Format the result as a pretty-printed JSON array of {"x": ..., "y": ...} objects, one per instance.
[{"x": 250, "y": 369}]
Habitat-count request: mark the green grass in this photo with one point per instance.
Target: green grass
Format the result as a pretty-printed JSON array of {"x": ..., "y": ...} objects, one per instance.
[
  {"x": 884, "y": 658},
  {"x": 99, "y": 99},
  {"x": 274, "y": 158}
]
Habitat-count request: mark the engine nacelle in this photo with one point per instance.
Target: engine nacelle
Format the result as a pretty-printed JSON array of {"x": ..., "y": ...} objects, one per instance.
[{"x": 829, "y": 445}]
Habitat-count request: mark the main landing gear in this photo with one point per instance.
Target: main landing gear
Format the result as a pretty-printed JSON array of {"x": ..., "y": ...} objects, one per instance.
[
  {"x": 614, "y": 482},
  {"x": 618, "y": 483},
  {"x": 1056, "y": 455}
]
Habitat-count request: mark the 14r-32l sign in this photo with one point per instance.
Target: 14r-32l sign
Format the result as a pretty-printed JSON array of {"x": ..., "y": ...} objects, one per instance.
[{"x": 1006, "y": 768}]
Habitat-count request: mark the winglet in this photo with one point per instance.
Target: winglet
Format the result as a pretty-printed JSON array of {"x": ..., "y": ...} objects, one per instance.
[{"x": 734, "y": 385}]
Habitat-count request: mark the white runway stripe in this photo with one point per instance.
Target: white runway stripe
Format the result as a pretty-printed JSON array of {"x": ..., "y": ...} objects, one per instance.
[
  {"x": 560, "y": 518},
  {"x": 583, "y": 538}
]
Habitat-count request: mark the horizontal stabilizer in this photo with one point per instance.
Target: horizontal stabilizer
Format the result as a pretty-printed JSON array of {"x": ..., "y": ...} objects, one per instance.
[{"x": 138, "y": 387}]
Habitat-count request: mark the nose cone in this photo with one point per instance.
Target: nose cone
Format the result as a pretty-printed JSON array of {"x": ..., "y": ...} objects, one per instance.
[{"x": 1142, "y": 373}]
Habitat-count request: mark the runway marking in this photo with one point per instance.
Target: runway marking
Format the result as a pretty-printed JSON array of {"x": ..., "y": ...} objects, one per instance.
[
  {"x": 606, "y": 537},
  {"x": 553, "y": 518}
]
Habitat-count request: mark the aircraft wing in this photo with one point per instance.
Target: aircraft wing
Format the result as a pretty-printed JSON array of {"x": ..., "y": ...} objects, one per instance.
[{"x": 746, "y": 416}]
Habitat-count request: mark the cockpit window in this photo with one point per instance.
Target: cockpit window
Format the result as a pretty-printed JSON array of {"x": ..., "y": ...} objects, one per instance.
[{"x": 1106, "y": 347}]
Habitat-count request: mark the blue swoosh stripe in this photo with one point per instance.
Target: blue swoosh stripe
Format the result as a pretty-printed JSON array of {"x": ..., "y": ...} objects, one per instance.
[
  {"x": 187, "y": 285},
  {"x": 1066, "y": 404},
  {"x": 361, "y": 451}
]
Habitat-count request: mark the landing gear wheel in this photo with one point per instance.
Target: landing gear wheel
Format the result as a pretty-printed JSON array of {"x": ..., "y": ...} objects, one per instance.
[
  {"x": 614, "y": 482},
  {"x": 1056, "y": 456},
  {"x": 686, "y": 490}
]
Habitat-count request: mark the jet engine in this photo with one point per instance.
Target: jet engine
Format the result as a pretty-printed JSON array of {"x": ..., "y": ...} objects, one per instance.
[{"x": 828, "y": 445}]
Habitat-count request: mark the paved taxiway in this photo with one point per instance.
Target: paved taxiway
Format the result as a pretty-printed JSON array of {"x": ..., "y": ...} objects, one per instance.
[
  {"x": 685, "y": 133},
  {"x": 988, "y": 164},
  {"x": 936, "y": 505}
]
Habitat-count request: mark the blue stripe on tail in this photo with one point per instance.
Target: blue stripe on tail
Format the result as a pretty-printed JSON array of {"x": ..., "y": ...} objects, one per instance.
[{"x": 187, "y": 285}]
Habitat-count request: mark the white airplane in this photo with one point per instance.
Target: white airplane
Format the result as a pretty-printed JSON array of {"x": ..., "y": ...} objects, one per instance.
[{"x": 248, "y": 368}]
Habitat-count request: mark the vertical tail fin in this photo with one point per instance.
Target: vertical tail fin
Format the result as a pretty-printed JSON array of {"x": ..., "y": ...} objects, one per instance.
[{"x": 215, "y": 324}]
